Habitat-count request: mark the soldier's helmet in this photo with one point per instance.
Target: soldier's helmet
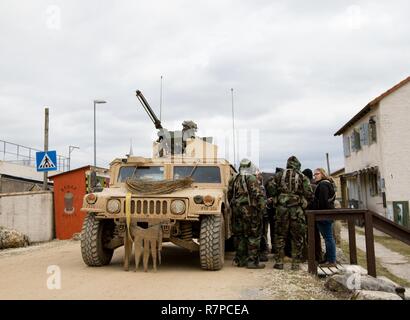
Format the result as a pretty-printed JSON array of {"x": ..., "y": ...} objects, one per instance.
[
  {"x": 247, "y": 167},
  {"x": 189, "y": 124}
]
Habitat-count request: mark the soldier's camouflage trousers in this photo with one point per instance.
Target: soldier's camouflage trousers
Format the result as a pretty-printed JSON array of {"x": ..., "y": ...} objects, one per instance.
[
  {"x": 264, "y": 247},
  {"x": 289, "y": 221},
  {"x": 246, "y": 227}
]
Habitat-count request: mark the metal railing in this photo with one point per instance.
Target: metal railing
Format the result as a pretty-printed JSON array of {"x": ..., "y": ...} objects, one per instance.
[{"x": 26, "y": 156}]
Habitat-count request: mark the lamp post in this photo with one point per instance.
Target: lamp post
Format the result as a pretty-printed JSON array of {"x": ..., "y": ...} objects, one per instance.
[
  {"x": 95, "y": 135},
  {"x": 70, "y": 149}
]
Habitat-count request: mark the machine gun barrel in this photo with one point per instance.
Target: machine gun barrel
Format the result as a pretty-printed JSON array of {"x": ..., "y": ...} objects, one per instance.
[{"x": 148, "y": 109}]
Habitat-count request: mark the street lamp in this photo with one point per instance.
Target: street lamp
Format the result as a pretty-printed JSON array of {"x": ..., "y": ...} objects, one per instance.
[
  {"x": 70, "y": 149},
  {"x": 95, "y": 141}
]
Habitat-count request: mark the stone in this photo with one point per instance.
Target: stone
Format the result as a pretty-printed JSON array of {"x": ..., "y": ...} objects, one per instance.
[
  {"x": 375, "y": 295},
  {"x": 407, "y": 294},
  {"x": 338, "y": 283},
  {"x": 10, "y": 238},
  {"x": 377, "y": 284},
  {"x": 353, "y": 268},
  {"x": 349, "y": 281}
]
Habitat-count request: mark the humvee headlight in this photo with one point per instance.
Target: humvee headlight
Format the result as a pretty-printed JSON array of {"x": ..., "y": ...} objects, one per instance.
[
  {"x": 177, "y": 207},
  {"x": 209, "y": 200},
  {"x": 199, "y": 199},
  {"x": 113, "y": 206},
  {"x": 91, "y": 198}
]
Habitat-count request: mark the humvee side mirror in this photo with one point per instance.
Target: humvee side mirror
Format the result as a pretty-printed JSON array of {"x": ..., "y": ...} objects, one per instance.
[{"x": 94, "y": 183}]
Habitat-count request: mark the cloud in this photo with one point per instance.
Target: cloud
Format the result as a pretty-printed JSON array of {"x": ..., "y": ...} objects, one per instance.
[{"x": 299, "y": 71}]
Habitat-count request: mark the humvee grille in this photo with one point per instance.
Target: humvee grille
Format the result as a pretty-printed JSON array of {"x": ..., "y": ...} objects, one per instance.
[{"x": 149, "y": 206}]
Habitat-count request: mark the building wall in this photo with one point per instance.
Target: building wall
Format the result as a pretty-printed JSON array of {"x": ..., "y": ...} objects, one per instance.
[
  {"x": 395, "y": 120},
  {"x": 368, "y": 156},
  {"x": 30, "y": 213},
  {"x": 395, "y": 115}
]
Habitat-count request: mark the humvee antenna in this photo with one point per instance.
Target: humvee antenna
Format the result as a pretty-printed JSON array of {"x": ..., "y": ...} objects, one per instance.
[
  {"x": 233, "y": 131},
  {"x": 148, "y": 109},
  {"x": 160, "y": 102}
]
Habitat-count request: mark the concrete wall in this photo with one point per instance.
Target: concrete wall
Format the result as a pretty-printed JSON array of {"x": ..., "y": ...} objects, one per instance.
[
  {"x": 30, "y": 213},
  {"x": 8, "y": 185},
  {"x": 395, "y": 132}
]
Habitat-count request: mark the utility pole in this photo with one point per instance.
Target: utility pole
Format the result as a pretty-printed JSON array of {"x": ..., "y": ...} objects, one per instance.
[
  {"x": 328, "y": 165},
  {"x": 233, "y": 131},
  {"x": 160, "y": 102},
  {"x": 70, "y": 149},
  {"x": 45, "y": 174}
]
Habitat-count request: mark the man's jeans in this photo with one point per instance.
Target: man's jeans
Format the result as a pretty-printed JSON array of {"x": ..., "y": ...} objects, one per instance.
[{"x": 326, "y": 230}]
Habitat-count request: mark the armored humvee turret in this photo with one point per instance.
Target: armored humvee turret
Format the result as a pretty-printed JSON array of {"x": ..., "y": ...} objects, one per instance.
[{"x": 182, "y": 189}]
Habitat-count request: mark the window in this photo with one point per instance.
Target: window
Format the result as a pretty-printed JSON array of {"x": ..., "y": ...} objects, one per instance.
[
  {"x": 201, "y": 174},
  {"x": 373, "y": 183},
  {"x": 346, "y": 146},
  {"x": 141, "y": 173},
  {"x": 364, "y": 134},
  {"x": 355, "y": 140},
  {"x": 372, "y": 130}
]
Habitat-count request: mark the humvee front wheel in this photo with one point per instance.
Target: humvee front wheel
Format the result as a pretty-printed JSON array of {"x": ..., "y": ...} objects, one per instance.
[
  {"x": 212, "y": 242},
  {"x": 93, "y": 237}
]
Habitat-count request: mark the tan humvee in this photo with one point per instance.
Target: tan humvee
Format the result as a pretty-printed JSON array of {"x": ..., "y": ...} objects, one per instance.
[{"x": 196, "y": 217}]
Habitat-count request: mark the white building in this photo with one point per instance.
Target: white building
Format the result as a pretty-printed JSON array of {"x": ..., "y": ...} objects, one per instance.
[{"x": 376, "y": 143}]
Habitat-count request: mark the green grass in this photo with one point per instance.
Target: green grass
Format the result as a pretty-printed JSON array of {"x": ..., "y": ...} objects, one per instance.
[
  {"x": 391, "y": 243},
  {"x": 381, "y": 271}
]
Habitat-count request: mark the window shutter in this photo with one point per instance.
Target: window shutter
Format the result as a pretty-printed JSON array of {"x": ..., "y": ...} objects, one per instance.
[
  {"x": 352, "y": 141},
  {"x": 366, "y": 134},
  {"x": 361, "y": 134},
  {"x": 346, "y": 146},
  {"x": 372, "y": 130},
  {"x": 356, "y": 135}
]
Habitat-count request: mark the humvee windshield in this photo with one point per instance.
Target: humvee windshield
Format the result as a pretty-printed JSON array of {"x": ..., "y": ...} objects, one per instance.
[
  {"x": 141, "y": 173},
  {"x": 202, "y": 174}
]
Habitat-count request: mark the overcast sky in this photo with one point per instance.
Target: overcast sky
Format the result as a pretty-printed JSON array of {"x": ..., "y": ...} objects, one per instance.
[{"x": 299, "y": 70}]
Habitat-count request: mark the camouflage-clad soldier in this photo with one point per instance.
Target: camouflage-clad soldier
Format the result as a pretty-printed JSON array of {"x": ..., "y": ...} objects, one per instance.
[
  {"x": 264, "y": 247},
  {"x": 290, "y": 191},
  {"x": 248, "y": 204}
]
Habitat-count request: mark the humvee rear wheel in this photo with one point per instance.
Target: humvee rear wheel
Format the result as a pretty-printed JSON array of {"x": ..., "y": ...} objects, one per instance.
[
  {"x": 212, "y": 242},
  {"x": 93, "y": 236}
]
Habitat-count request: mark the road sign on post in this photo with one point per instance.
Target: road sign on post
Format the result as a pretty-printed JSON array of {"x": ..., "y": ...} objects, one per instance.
[{"x": 46, "y": 161}]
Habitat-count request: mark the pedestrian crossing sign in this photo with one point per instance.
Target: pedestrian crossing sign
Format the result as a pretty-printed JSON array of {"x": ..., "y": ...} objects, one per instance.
[{"x": 46, "y": 160}]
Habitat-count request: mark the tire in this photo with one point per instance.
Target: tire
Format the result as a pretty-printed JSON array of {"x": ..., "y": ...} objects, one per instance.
[
  {"x": 92, "y": 248},
  {"x": 212, "y": 242}
]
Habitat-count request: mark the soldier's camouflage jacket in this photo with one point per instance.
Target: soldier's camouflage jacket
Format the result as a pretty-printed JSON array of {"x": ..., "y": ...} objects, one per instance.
[
  {"x": 290, "y": 187},
  {"x": 244, "y": 189}
]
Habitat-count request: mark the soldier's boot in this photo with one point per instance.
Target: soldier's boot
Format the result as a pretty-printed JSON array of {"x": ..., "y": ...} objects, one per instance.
[
  {"x": 295, "y": 266},
  {"x": 263, "y": 257},
  {"x": 255, "y": 265},
  {"x": 278, "y": 266},
  {"x": 278, "y": 263},
  {"x": 237, "y": 262}
]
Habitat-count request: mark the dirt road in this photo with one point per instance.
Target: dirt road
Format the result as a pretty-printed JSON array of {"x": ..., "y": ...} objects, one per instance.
[{"x": 23, "y": 275}]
